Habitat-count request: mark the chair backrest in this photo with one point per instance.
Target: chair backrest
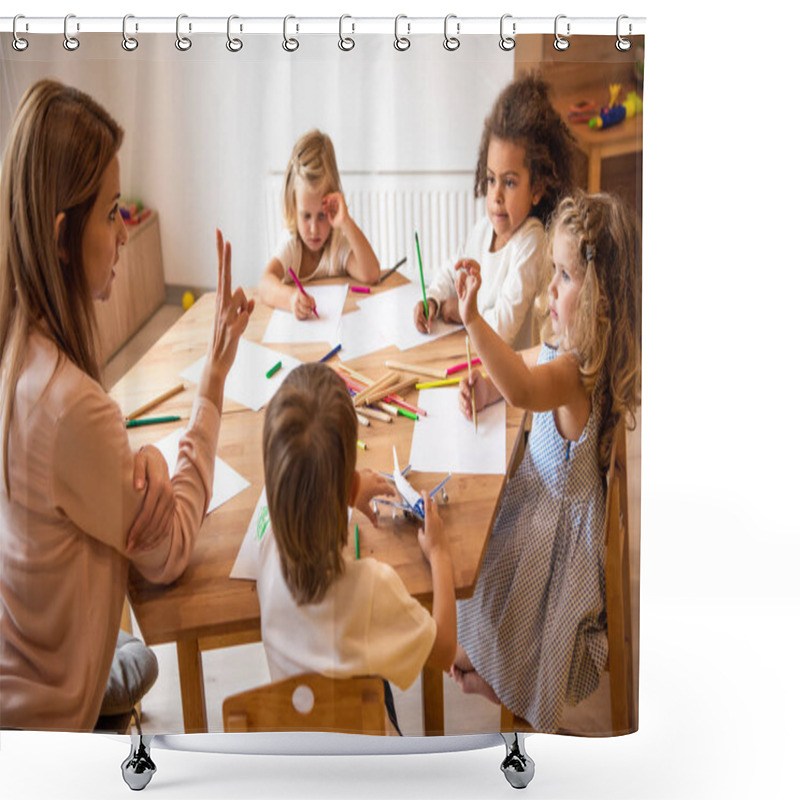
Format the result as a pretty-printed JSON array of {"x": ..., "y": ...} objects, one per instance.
[
  {"x": 618, "y": 589},
  {"x": 309, "y": 702}
]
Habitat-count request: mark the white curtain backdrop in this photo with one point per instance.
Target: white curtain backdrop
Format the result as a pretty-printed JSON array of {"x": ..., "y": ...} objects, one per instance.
[{"x": 208, "y": 131}]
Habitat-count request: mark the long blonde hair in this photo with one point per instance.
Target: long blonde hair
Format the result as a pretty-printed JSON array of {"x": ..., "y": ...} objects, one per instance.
[
  {"x": 59, "y": 145},
  {"x": 606, "y": 333},
  {"x": 309, "y": 450},
  {"x": 313, "y": 161}
]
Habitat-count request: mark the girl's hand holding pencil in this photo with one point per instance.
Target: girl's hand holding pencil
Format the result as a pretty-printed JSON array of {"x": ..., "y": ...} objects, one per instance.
[
  {"x": 154, "y": 520},
  {"x": 303, "y": 305},
  {"x": 468, "y": 282},
  {"x": 421, "y": 322},
  {"x": 480, "y": 386}
]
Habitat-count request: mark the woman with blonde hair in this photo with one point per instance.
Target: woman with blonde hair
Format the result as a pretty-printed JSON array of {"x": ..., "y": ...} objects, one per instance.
[{"x": 71, "y": 519}]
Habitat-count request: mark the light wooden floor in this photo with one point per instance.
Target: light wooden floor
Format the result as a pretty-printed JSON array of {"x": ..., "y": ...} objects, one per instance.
[{"x": 231, "y": 670}]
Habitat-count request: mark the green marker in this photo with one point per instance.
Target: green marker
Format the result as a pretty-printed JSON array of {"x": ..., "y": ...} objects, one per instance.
[
  {"x": 262, "y": 523},
  {"x": 137, "y": 423},
  {"x": 272, "y": 370},
  {"x": 358, "y": 545},
  {"x": 421, "y": 276},
  {"x": 409, "y": 414}
]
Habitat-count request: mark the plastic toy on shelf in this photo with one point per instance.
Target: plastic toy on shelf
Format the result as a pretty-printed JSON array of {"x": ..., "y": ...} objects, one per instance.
[{"x": 616, "y": 112}]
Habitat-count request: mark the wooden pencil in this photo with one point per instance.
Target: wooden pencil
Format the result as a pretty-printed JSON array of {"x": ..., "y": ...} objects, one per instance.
[
  {"x": 153, "y": 403},
  {"x": 421, "y": 369}
]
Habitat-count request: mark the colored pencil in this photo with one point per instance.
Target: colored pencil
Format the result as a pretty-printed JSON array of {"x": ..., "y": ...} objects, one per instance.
[
  {"x": 138, "y": 423},
  {"x": 273, "y": 369},
  {"x": 382, "y": 383},
  {"x": 422, "y": 370},
  {"x": 302, "y": 290},
  {"x": 374, "y": 414},
  {"x": 160, "y": 399},
  {"x": 362, "y": 420},
  {"x": 471, "y": 387},
  {"x": 462, "y": 365},
  {"x": 421, "y": 276},
  {"x": 437, "y": 384},
  {"x": 361, "y": 444},
  {"x": 393, "y": 269},
  {"x": 331, "y": 354}
]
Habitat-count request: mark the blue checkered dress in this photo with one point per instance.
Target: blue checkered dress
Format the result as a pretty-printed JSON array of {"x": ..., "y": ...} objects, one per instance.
[{"x": 535, "y": 627}]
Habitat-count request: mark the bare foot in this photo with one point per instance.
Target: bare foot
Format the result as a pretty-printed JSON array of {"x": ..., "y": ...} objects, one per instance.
[
  {"x": 462, "y": 661},
  {"x": 472, "y": 683}
]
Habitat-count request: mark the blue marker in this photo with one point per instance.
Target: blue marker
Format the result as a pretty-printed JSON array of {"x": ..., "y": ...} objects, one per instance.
[{"x": 331, "y": 354}]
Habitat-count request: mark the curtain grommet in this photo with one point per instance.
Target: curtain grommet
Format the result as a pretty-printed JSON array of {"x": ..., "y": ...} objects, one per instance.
[
  {"x": 70, "y": 43},
  {"x": 507, "y": 43},
  {"x": 560, "y": 42},
  {"x": 346, "y": 43},
  {"x": 129, "y": 43},
  {"x": 289, "y": 44},
  {"x": 622, "y": 44},
  {"x": 183, "y": 43},
  {"x": 451, "y": 43},
  {"x": 401, "y": 43},
  {"x": 233, "y": 44},
  {"x": 17, "y": 42}
]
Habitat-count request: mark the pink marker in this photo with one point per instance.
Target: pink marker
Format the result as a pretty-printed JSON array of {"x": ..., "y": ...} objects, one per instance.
[
  {"x": 302, "y": 290},
  {"x": 463, "y": 365},
  {"x": 361, "y": 289}
]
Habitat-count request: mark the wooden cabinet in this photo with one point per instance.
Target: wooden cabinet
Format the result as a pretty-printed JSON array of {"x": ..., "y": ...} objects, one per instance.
[{"x": 138, "y": 288}]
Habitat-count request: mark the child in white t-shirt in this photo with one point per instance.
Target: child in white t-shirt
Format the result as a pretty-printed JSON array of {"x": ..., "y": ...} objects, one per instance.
[
  {"x": 322, "y": 240},
  {"x": 321, "y": 612}
]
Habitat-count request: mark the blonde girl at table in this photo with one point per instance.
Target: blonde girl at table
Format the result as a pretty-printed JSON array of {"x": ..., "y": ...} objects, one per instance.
[
  {"x": 320, "y": 610},
  {"x": 322, "y": 240},
  {"x": 70, "y": 516},
  {"x": 533, "y": 634},
  {"x": 525, "y": 164}
]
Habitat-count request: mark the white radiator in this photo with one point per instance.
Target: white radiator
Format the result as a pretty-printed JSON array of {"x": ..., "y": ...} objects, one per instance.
[{"x": 390, "y": 208}]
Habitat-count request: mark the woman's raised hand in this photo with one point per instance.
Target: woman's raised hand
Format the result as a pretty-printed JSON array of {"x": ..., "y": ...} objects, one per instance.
[{"x": 231, "y": 315}]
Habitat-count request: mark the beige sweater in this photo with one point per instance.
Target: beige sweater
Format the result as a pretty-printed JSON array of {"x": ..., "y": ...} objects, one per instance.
[{"x": 63, "y": 569}]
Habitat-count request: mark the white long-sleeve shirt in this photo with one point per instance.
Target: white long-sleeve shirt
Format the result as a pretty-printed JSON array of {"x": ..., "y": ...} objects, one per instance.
[{"x": 509, "y": 278}]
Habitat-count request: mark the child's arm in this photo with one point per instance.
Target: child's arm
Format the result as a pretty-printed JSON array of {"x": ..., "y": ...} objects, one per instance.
[
  {"x": 371, "y": 484},
  {"x": 535, "y": 388},
  {"x": 436, "y": 548},
  {"x": 362, "y": 264},
  {"x": 274, "y": 292}
]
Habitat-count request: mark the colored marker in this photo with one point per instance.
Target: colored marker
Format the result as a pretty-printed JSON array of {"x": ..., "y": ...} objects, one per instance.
[
  {"x": 410, "y": 414},
  {"x": 437, "y": 384},
  {"x": 361, "y": 444},
  {"x": 462, "y": 365},
  {"x": 331, "y": 354},
  {"x": 471, "y": 387},
  {"x": 421, "y": 276},
  {"x": 358, "y": 545},
  {"x": 272, "y": 370},
  {"x": 138, "y": 423},
  {"x": 393, "y": 269},
  {"x": 360, "y": 289},
  {"x": 302, "y": 290}
]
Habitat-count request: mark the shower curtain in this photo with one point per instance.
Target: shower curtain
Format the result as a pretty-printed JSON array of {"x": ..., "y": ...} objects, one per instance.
[{"x": 209, "y": 129}]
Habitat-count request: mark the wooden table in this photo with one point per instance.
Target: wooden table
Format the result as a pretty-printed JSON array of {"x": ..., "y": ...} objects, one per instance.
[
  {"x": 205, "y": 608},
  {"x": 618, "y": 140}
]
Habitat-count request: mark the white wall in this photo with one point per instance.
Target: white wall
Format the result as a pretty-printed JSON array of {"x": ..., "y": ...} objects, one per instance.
[{"x": 205, "y": 129}]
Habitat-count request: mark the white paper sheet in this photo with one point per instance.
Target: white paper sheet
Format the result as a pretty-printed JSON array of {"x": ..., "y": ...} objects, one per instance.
[
  {"x": 445, "y": 441},
  {"x": 284, "y": 327},
  {"x": 360, "y": 333},
  {"x": 247, "y": 382},
  {"x": 247, "y": 560},
  {"x": 393, "y": 311},
  {"x": 227, "y": 481}
]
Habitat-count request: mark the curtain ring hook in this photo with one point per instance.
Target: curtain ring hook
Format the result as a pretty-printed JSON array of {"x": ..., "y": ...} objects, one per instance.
[
  {"x": 451, "y": 43},
  {"x": 71, "y": 43},
  {"x": 18, "y": 43},
  {"x": 183, "y": 43},
  {"x": 507, "y": 42},
  {"x": 346, "y": 43},
  {"x": 233, "y": 44},
  {"x": 401, "y": 43},
  {"x": 129, "y": 43},
  {"x": 289, "y": 44},
  {"x": 560, "y": 42},
  {"x": 623, "y": 44}
]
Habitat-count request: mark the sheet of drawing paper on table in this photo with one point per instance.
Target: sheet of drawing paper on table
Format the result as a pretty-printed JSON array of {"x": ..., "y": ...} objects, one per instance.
[
  {"x": 247, "y": 382},
  {"x": 247, "y": 560},
  {"x": 227, "y": 481},
  {"x": 283, "y": 327},
  {"x": 395, "y": 311},
  {"x": 445, "y": 440},
  {"x": 360, "y": 333}
]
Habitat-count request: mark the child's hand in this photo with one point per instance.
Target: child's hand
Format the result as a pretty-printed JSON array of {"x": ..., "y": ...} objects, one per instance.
[
  {"x": 468, "y": 281},
  {"x": 303, "y": 305},
  {"x": 334, "y": 206},
  {"x": 422, "y": 324},
  {"x": 154, "y": 520},
  {"x": 450, "y": 311},
  {"x": 478, "y": 382},
  {"x": 433, "y": 537},
  {"x": 372, "y": 485}
]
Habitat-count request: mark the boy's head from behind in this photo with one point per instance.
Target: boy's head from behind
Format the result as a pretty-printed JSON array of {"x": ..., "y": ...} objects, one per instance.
[
  {"x": 524, "y": 115},
  {"x": 312, "y": 166},
  {"x": 309, "y": 449}
]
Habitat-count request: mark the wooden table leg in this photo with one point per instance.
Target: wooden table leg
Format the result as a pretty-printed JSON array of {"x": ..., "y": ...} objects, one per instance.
[
  {"x": 432, "y": 701},
  {"x": 193, "y": 695},
  {"x": 595, "y": 170}
]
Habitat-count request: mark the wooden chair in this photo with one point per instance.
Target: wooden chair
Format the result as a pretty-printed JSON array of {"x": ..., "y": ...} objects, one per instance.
[
  {"x": 309, "y": 702},
  {"x": 618, "y": 599}
]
